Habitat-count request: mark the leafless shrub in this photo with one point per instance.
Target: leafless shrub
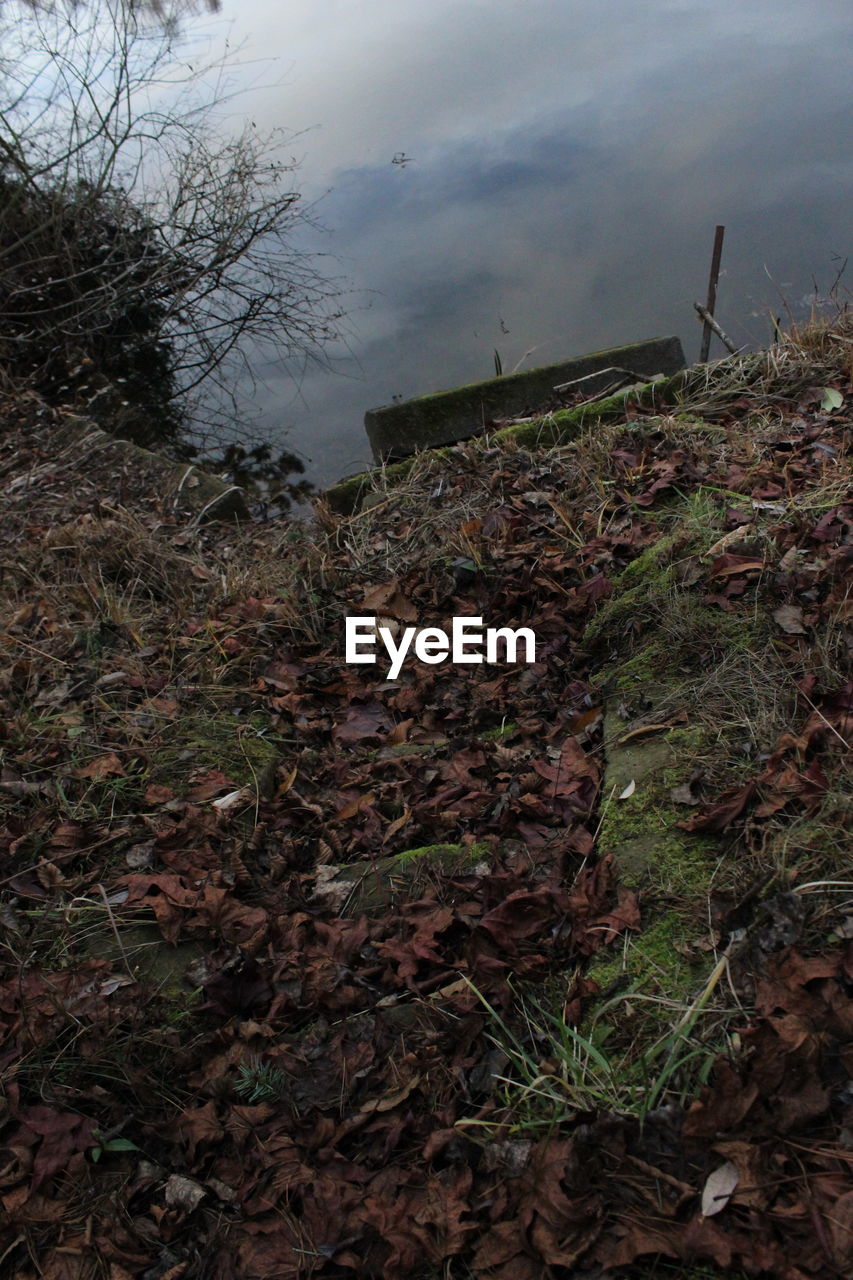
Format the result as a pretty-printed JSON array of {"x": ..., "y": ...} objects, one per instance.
[{"x": 144, "y": 255}]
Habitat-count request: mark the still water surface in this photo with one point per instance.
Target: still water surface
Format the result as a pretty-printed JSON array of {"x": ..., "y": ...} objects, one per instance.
[{"x": 566, "y": 162}]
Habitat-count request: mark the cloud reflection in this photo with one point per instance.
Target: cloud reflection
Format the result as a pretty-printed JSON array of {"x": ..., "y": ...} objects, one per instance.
[{"x": 569, "y": 163}]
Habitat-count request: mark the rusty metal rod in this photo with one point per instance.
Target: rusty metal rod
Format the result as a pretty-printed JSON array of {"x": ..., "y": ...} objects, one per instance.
[{"x": 712, "y": 292}]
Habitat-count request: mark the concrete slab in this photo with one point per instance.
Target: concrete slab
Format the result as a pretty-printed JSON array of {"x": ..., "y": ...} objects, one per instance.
[{"x": 398, "y": 430}]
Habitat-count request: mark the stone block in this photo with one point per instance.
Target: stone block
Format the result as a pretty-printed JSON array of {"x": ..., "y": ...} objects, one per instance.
[{"x": 398, "y": 430}]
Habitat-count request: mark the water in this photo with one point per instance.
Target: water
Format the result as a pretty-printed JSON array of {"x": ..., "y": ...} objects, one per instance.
[{"x": 569, "y": 162}]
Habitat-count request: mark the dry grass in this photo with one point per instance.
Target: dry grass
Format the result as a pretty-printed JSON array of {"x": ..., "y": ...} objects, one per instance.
[
  {"x": 809, "y": 355},
  {"x": 82, "y": 565},
  {"x": 117, "y": 554},
  {"x": 411, "y": 522}
]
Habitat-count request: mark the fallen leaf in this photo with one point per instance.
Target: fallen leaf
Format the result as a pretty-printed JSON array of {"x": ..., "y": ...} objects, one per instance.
[
  {"x": 644, "y": 731},
  {"x": 389, "y": 601},
  {"x": 355, "y": 806},
  {"x": 830, "y": 399},
  {"x": 719, "y": 1189},
  {"x": 200, "y": 1124},
  {"x": 729, "y": 563},
  {"x": 790, "y": 619},
  {"x": 391, "y": 1099},
  {"x": 208, "y": 786},
  {"x": 108, "y": 766},
  {"x": 400, "y": 733},
  {"x": 397, "y": 825},
  {"x": 233, "y": 798},
  {"x": 728, "y": 539},
  {"x": 362, "y": 723},
  {"x": 183, "y": 1193},
  {"x": 63, "y": 1134},
  {"x": 287, "y": 783},
  {"x": 683, "y": 794},
  {"x": 724, "y": 810}
]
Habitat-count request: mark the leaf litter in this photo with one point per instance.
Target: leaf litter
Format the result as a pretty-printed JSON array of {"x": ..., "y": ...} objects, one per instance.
[{"x": 359, "y": 882}]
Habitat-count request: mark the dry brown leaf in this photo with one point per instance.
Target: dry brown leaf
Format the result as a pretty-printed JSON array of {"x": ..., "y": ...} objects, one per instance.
[
  {"x": 644, "y": 731},
  {"x": 107, "y": 766},
  {"x": 391, "y": 1099},
  {"x": 353, "y": 808},
  {"x": 288, "y": 782},
  {"x": 730, "y": 539},
  {"x": 790, "y": 618},
  {"x": 397, "y": 825},
  {"x": 183, "y": 1193}
]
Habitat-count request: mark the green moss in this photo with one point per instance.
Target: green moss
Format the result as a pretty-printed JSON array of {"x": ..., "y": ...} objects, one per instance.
[
  {"x": 652, "y": 965},
  {"x": 642, "y": 830},
  {"x": 685, "y": 745},
  {"x": 377, "y": 883},
  {"x": 348, "y": 495},
  {"x": 142, "y": 949},
  {"x": 194, "y": 744},
  {"x": 682, "y": 865},
  {"x": 644, "y": 591},
  {"x": 558, "y": 428},
  {"x": 650, "y": 568},
  {"x": 541, "y": 374},
  {"x": 638, "y": 591},
  {"x": 652, "y": 852},
  {"x": 498, "y": 734},
  {"x": 442, "y": 855},
  {"x": 664, "y": 638}
]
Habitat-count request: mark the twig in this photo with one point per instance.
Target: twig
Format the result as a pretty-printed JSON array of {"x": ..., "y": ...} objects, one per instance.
[
  {"x": 233, "y": 488},
  {"x": 710, "y": 323},
  {"x": 116, "y": 933},
  {"x": 184, "y": 478},
  {"x": 712, "y": 293}
]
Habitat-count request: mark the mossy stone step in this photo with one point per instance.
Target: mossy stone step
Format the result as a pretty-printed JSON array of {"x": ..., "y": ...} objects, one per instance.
[
  {"x": 375, "y": 487},
  {"x": 372, "y": 885},
  {"x": 397, "y": 430}
]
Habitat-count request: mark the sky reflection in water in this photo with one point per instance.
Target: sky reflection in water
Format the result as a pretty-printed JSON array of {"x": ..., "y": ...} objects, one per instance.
[{"x": 569, "y": 162}]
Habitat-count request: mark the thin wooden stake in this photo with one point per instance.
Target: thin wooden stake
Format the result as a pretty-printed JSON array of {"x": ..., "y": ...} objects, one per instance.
[
  {"x": 712, "y": 292},
  {"x": 704, "y": 314}
]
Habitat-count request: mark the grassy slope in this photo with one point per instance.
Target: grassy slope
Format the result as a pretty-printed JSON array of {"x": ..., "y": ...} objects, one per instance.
[{"x": 183, "y": 750}]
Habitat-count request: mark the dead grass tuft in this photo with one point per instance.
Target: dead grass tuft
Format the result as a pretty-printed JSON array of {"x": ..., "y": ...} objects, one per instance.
[{"x": 117, "y": 555}]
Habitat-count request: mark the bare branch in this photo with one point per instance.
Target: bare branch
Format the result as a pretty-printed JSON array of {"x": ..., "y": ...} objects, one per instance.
[{"x": 138, "y": 245}]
